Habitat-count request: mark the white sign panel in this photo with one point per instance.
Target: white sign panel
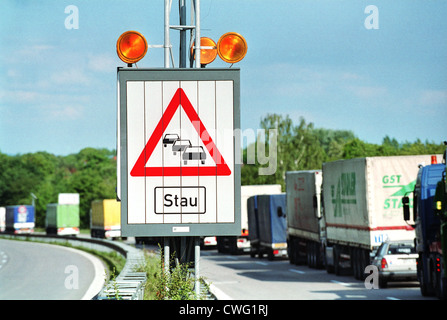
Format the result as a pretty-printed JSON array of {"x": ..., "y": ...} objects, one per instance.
[{"x": 180, "y": 159}]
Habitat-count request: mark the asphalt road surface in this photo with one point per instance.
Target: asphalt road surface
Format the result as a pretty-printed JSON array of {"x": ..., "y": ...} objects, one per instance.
[
  {"x": 36, "y": 271},
  {"x": 242, "y": 277}
]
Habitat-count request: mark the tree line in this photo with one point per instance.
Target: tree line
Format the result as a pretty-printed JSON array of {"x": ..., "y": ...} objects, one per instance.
[
  {"x": 303, "y": 147},
  {"x": 92, "y": 172}
]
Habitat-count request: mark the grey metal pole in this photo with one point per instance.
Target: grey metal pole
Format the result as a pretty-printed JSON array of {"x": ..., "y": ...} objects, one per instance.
[
  {"x": 167, "y": 43},
  {"x": 197, "y": 40},
  {"x": 183, "y": 49},
  {"x": 197, "y": 265},
  {"x": 166, "y": 254}
]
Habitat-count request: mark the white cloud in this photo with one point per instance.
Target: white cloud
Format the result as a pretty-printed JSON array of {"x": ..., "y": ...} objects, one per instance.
[
  {"x": 63, "y": 112},
  {"x": 71, "y": 75},
  {"x": 368, "y": 92},
  {"x": 102, "y": 63},
  {"x": 433, "y": 97}
]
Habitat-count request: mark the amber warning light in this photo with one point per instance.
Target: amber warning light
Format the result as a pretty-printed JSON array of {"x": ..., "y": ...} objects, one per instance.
[
  {"x": 208, "y": 52},
  {"x": 232, "y": 47},
  {"x": 131, "y": 47}
]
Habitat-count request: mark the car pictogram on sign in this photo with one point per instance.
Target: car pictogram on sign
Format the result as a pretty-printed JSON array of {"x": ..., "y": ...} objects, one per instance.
[
  {"x": 194, "y": 153},
  {"x": 180, "y": 145},
  {"x": 170, "y": 138}
]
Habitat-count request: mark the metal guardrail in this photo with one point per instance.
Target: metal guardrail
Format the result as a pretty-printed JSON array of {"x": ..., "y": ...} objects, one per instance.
[{"x": 128, "y": 285}]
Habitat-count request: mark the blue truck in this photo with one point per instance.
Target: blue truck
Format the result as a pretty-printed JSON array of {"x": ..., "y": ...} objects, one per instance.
[
  {"x": 20, "y": 219},
  {"x": 268, "y": 226},
  {"x": 430, "y": 226}
]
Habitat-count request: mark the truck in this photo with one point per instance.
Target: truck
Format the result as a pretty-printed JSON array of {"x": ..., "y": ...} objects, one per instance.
[
  {"x": 62, "y": 219},
  {"x": 20, "y": 219},
  {"x": 2, "y": 219},
  {"x": 362, "y": 208},
  {"x": 304, "y": 224},
  {"x": 241, "y": 243},
  {"x": 430, "y": 222},
  {"x": 271, "y": 226},
  {"x": 105, "y": 219}
]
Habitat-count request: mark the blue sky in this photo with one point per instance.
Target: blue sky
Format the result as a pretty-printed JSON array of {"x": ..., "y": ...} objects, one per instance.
[{"x": 311, "y": 59}]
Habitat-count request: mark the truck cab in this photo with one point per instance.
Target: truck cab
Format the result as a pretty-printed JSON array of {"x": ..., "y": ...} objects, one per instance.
[
  {"x": 427, "y": 225},
  {"x": 426, "y": 222}
]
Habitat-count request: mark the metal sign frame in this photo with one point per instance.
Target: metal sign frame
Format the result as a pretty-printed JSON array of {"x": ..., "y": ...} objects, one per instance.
[{"x": 173, "y": 229}]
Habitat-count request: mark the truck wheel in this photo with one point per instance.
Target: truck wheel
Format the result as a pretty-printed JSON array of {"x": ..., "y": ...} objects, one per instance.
[
  {"x": 329, "y": 268},
  {"x": 312, "y": 253},
  {"x": 443, "y": 289},
  {"x": 291, "y": 251},
  {"x": 364, "y": 261},
  {"x": 336, "y": 261},
  {"x": 355, "y": 263},
  {"x": 383, "y": 283},
  {"x": 423, "y": 281},
  {"x": 440, "y": 286}
]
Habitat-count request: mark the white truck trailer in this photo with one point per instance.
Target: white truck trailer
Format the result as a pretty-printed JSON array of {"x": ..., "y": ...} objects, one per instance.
[
  {"x": 304, "y": 224},
  {"x": 241, "y": 243},
  {"x": 362, "y": 207}
]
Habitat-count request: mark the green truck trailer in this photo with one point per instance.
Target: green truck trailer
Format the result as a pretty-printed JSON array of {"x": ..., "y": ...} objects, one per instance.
[{"x": 62, "y": 219}]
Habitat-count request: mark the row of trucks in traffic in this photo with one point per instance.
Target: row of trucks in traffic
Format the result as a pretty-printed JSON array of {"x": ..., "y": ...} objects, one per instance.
[
  {"x": 336, "y": 218},
  {"x": 63, "y": 218}
]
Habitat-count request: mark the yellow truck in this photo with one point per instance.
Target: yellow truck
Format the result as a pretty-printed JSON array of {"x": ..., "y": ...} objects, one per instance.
[{"x": 105, "y": 219}]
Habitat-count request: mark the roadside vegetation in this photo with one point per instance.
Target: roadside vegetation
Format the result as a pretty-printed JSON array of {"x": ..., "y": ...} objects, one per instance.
[{"x": 177, "y": 284}]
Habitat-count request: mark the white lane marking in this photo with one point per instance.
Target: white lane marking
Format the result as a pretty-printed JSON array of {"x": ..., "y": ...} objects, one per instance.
[
  {"x": 392, "y": 298},
  {"x": 4, "y": 259},
  {"x": 218, "y": 293},
  {"x": 262, "y": 263},
  {"x": 297, "y": 271},
  {"x": 341, "y": 283}
]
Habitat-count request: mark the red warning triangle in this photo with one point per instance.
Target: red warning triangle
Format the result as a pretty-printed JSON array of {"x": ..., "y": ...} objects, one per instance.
[{"x": 180, "y": 99}]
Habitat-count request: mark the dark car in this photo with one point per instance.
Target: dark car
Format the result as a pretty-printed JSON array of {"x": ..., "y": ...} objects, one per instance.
[{"x": 170, "y": 138}]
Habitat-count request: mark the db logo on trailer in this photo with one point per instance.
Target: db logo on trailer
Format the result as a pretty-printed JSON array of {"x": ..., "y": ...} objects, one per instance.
[{"x": 22, "y": 214}]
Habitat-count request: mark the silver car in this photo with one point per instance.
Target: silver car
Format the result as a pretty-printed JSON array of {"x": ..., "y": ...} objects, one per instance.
[{"x": 396, "y": 261}]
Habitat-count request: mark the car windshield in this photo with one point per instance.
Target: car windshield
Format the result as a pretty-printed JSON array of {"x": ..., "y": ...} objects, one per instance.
[{"x": 401, "y": 248}]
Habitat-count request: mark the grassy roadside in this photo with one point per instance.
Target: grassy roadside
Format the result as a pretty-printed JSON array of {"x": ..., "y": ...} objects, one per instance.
[{"x": 178, "y": 284}]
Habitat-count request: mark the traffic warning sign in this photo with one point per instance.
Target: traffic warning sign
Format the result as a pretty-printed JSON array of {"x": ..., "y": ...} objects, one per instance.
[
  {"x": 177, "y": 174},
  {"x": 179, "y": 145}
]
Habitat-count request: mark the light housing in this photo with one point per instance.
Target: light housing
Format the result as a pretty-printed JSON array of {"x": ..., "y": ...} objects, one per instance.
[
  {"x": 383, "y": 263},
  {"x": 131, "y": 47},
  {"x": 434, "y": 160},
  {"x": 232, "y": 47},
  {"x": 206, "y": 55}
]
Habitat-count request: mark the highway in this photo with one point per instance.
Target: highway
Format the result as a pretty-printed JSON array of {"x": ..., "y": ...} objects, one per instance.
[
  {"x": 36, "y": 271},
  {"x": 240, "y": 277}
]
